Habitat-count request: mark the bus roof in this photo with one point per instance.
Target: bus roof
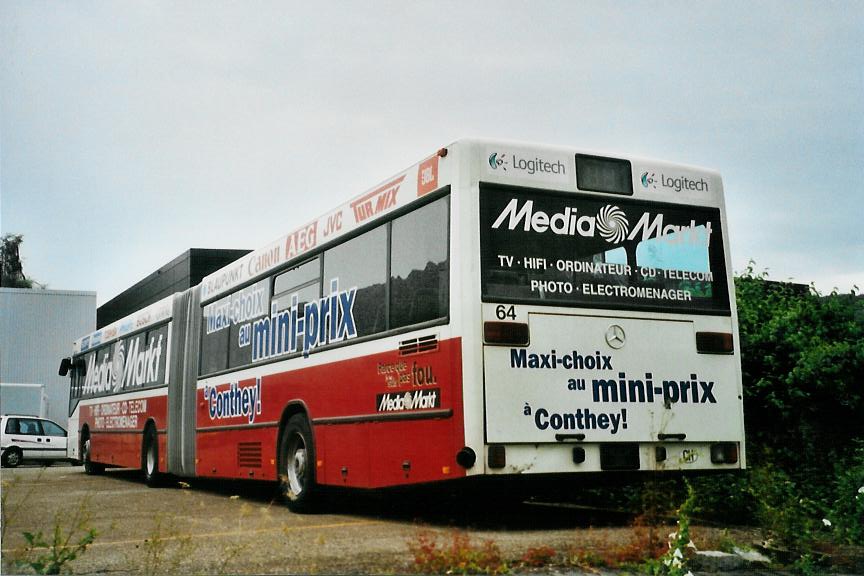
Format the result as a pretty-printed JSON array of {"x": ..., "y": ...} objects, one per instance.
[
  {"x": 149, "y": 316},
  {"x": 402, "y": 189},
  {"x": 391, "y": 194}
]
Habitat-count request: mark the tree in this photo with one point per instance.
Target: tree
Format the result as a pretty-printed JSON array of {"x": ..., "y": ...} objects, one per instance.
[
  {"x": 11, "y": 270},
  {"x": 802, "y": 361}
]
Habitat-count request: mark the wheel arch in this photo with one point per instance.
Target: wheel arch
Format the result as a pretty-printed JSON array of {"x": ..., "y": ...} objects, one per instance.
[
  {"x": 83, "y": 435},
  {"x": 150, "y": 424},
  {"x": 291, "y": 409}
]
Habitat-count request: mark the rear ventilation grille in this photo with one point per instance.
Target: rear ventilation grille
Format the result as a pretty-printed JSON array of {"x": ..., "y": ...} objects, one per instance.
[
  {"x": 418, "y": 345},
  {"x": 249, "y": 454}
]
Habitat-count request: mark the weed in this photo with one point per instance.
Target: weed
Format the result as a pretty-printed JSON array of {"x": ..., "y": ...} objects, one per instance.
[
  {"x": 681, "y": 547},
  {"x": 460, "y": 557},
  {"x": 9, "y": 510},
  {"x": 164, "y": 549},
  {"x": 538, "y": 557},
  {"x": 847, "y": 510},
  {"x": 228, "y": 555},
  {"x": 585, "y": 560},
  {"x": 790, "y": 520},
  {"x": 233, "y": 551},
  {"x": 52, "y": 555},
  {"x": 725, "y": 543}
]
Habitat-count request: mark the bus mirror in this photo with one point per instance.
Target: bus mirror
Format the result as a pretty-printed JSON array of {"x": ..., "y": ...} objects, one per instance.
[{"x": 65, "y": 365}]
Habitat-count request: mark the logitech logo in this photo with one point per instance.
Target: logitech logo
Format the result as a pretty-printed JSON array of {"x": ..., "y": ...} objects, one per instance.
[
  {"x": 531, "y": 165},
  {"x": 497, "y": 160},
  {"x": 648, "y": 180}
]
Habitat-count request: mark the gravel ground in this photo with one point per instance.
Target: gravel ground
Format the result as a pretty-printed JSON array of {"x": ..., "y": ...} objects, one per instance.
[{"x": 238, "y": 527}]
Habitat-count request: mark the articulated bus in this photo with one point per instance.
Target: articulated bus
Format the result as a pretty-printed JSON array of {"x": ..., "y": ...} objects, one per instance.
[{"x": 497, "y": 309}]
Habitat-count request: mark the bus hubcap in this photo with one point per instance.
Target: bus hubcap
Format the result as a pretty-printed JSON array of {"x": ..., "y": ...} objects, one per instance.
[{"x": 297, "y": 466}]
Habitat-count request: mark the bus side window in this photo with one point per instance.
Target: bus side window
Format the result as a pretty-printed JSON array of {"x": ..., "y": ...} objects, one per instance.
[
  {"x": 361, "y": 264},
  {"x": 214, "y": 336},
  {"x": 248, "y": 305},
  {"x": 302, "y": 284},
  {"x": 420, "y": 266},
  {"x": 158, "y": 339}
]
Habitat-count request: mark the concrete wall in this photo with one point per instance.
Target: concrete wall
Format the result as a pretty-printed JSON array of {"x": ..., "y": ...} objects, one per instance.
[{"x": 37, "y": 328}]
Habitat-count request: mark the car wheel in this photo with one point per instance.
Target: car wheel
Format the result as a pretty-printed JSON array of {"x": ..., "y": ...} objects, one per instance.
[
  {"x": 150, "y": 458},
  {"x": 12, "y": 457},
  {"x": 297, "y": 466},
  {"x": 90, "y": 467}
]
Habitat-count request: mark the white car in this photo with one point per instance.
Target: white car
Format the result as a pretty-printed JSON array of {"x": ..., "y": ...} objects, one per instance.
[{"x": 31, "y": 439}]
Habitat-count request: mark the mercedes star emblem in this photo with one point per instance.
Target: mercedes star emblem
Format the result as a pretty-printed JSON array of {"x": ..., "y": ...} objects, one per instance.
[{"x": 615, "y": 336}]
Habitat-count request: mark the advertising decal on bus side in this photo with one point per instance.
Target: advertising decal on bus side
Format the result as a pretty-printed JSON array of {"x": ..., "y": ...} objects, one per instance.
[
  {"x": 326, "y": 320},
  {"x": 302, "y": 326},
  {"x": 118, "y": 415},
  {"x": 234, "y": 401},
  {"x": 354, "y": 213},
  {"x": 128, "y": 364}
]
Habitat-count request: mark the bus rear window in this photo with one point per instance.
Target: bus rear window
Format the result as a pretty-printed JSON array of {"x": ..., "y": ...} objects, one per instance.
[{"x": 618, "y": 253}]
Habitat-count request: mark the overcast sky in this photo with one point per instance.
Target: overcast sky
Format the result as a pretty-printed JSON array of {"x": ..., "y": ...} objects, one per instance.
[{"x": 132, "y": 131}]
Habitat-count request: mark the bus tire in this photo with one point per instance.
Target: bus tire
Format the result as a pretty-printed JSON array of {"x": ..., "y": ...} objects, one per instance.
[
  {"x": 150, "y": 458},
  {"x": 12, "y": 457},
  {"x": 91, "y": 468},
  {"x": 297, "y": 465}
]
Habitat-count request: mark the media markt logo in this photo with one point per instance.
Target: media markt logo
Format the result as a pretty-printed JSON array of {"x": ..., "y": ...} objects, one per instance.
[
  {"x": 497, "y": 160},
  {"x": 648, "y": 180},
  {"x": 612, "y": 224}
]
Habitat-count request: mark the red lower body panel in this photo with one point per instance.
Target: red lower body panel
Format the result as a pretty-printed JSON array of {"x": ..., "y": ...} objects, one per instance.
[
  {"x": 380, "y": 420},
  {"x": 116, "y": 429}
]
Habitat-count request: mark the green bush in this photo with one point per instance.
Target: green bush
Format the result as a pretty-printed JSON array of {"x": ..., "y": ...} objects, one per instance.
[
  {"x": 802, "y": 361},
  {"x": 847, "y": 510}
]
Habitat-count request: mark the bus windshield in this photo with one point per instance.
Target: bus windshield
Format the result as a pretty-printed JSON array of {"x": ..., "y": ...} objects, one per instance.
[{"x": 543, "y": 247}]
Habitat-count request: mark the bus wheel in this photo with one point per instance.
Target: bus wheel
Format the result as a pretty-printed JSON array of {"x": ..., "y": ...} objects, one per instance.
[
  {"x": 12, "y": 457},
  {"x": 150, "y": 458},
  {"x": 90, "y": 467},
  {"x": 297, "y": 465}
]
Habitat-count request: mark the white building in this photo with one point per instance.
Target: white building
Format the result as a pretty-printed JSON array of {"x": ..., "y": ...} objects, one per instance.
[{"x": 37, "y": 328}]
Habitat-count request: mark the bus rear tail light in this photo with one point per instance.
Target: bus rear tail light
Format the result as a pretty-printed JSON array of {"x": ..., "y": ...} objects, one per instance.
[
  {"x": 724, "y": 453},
  {"x": 508, "y": 333},
  {"x": 497, "y": 456},
  {"x": 714, "y": 343}
]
